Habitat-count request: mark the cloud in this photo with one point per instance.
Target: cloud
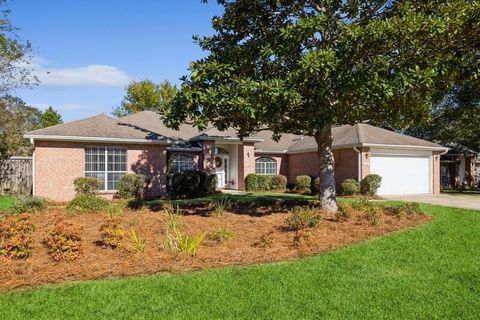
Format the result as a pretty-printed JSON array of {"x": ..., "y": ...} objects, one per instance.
[
  {"x": 59, "y": 107},
  {"x": 93, "y": 75}
]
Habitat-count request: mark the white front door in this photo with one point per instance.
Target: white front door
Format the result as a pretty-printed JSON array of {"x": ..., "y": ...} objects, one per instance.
[{"x": 221, "y": 170}]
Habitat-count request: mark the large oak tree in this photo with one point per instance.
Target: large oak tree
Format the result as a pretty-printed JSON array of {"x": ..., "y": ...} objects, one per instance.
[{"x": 307, "y": 65}]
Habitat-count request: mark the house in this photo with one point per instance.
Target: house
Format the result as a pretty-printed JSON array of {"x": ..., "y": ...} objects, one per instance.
[
  {"x": 459, "y": 168},
  {"x": 107, "y": 148}
]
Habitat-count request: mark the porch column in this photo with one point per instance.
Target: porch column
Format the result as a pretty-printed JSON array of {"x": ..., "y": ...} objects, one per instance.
[
  {"x": 246, "y": 162},
  {"x": 364, "y": 162},
  {"x": 208, "y": 156},
  {"x": 436, "y": 173}
]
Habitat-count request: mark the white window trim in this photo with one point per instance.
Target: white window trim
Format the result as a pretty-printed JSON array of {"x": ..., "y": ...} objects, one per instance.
[
  {"x": 182, "y": 158},
  {"x": 263, "y": 166},
  {"x": 106, "y": 171}
]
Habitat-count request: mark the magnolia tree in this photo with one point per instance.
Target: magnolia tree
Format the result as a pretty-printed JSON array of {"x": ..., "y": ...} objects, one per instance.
[{"x": 305, "y": 66}]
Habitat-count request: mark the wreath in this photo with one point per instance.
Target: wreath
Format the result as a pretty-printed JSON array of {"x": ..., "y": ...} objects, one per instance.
[{"x": 218, "y": 162}]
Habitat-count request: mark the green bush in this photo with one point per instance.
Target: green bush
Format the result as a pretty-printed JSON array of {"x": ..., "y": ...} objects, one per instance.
[
  {"x": 302, "y": 218},
  {"x": 87, "y": 203},
  {"x": 86, "y": 185},
  {"x": 191, "y": 184},
  {"x": 211, "y": 184},
  {"x": 349, "y": 187},
  {"x": 374, "y": 215},
  {"x": 315, "y": 187},
  {"x": 302, "y": 184},
  {"x": 278, "y": 182},
  {"x": 370, "y": 184},
  {"x": 263, "y": 182},
  {"x": 130, "y": 186},
  {"x": 28, "y": 204},
  {"x": 344, "y": 212},
  {"x": 251, "y": 182}
]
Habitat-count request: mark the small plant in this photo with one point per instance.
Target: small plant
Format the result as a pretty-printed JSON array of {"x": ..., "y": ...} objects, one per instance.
[
  {"x": 301, "y": 237},
  {"x": 411, "y": 208},
  {"x": 130, "y": 186},
  {"x": 174, "y": 216},
  {"x": 63, "y": 240},
  {"x": 15, "y": 237},
  {"x": 374, "y": 215},
  {"x": 267, "y": 240},
  {"x": 220, "y": 235},
  {"x": 278, "y": 183},
  {"x": 28, "y": 204},
  {"x": 370, "y": 184},
  {"x": 349, "y": 187},
  {"x": 111, "y": 232},
  {"x": 344, "y": 212},
  {"x": 87, "y": 203},
  {"x": 361, "y": 204},
  {"x": 86, "y": 185},
  {"x": 138, "y": 244},
  {"x": 114, "y": 209},
  {"x": 220, "y": 205},
  {"x": 183, "y": 242},
  {"x": 302, "y": 218},
  {"x": 302, "y": 184}
]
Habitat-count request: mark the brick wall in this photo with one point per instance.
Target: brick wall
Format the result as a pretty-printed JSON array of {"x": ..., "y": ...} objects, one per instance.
[
  {"x": 246, "y": 162},
  {"x": 208, "y": 156},
  {"x": 436, "y": 173}
]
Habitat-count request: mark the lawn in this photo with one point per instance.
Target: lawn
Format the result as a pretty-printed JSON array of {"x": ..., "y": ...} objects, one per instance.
[
  {"x": 429, "y": 272},
  {"x": 6, "y": 202}
]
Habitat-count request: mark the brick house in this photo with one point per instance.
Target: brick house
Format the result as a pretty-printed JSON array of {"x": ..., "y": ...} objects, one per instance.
[{"x": 107, "y": 148}]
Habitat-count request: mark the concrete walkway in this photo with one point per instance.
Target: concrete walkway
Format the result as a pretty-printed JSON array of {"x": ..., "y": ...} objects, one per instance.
[{"x": 457, "y": 201}]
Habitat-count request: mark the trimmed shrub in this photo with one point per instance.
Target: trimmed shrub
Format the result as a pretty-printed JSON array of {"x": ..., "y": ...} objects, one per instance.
[
  {"x": 251, "y": 182},
  {"x": 302, "y": 184},
  {"x": 344, "y": 212},
  {"x": 315, "y": 187},
  {"x": 86, "y": 185},
  {"x": 302, "y": 218},
  {"x": 191, "y": 184},
  {"x": 370, "y": 184},
  {"x": 211, "y": 184},
  {"x": 278, "y": 182},
  {"x": 87, "y": 203},
  {"x": 349, "y": 187},
  {"x": 111, "y": 232},
  {"x": 63, "y": 240},
  {"x": 28, "y": 204},
  {"x": 16, "y": 240},
  {"x": 263, "y": 182},
  {"x": 130, "y": 186}
]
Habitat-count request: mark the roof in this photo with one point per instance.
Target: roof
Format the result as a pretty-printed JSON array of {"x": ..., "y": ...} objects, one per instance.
[{"x": 148, "y": 127}]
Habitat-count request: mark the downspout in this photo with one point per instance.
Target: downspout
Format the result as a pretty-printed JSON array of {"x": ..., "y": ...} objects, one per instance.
[
  {"x": 359, "y": 168},
  {"x": 32, "y": 141}
]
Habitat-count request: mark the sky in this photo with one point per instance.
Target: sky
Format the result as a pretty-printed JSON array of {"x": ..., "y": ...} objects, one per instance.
[{"x": 86, "y": 52}]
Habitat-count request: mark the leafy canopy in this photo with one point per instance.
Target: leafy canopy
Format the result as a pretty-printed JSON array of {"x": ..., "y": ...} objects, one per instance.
[{"x": 50, "y": 117}]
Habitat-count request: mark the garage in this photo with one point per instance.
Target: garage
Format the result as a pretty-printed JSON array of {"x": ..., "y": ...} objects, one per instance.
[{"x": 402, "y": 171}]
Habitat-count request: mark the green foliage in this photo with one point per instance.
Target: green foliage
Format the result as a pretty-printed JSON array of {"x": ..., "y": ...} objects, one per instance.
[
  {"x": 302, "y": 184},
  {"x": 87, "y": 203},
  {"x": 251, "y": 181},
  {"x": 191, "y": 184},
  {"x": 264, "y": 182},
  {"x": 86, "y": 185},
  {"x": 174, "y": 216},
  {"x": 302, "y": 218},
  {"x": 183, "y": 242},
  {"x": 278, "y": 183},
  {"x": 220, "y": 235},
  {"x": 146, "y": 95},
  {"x": 350, "y": 187},
  {"x": 361, "y": 204},
  {"x": 28, "y": 204},
  {"x": 50, "y": 117},
  {"x": 138, "y": 244},
  {"x": 344, "y": 213},
  {"x": 63, "y": 240},
  {"x": 130, "y": 186},
  {"x": 374, "y": 214},
  {"x": 16, "y": 240},
  {"x": 315, "y": 187},
  {"x": 370, "y": 184},
  {"x": 406, "y": 208},
  {"x": 211, "y": 184},
  {"x": 221, "y": 204},
  {"x": 111, "y": 232}
]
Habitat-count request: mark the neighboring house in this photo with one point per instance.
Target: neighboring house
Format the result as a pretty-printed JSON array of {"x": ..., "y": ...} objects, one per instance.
[
  {"x": 107, "y": 148},
  {"x": 460, "y": 168}
]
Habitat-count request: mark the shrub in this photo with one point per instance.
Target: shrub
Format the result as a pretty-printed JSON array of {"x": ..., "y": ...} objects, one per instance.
[
  {"x": 220, "y": 205},
  {"x": 361, "y": 204},
  {"x": 86, "y": 185},
  {"x": 28, "y": 204},
  {"x": 263, "y": 182},
  {"x": 251, "y": 182},
  {"x": 138, "y": 244},
  {"x": 302, "y": 184},
  {"x": 63, "y": 240},
  {"x": 278, "y": 182},
  {"x": 315, "y": 187},
  {"x": 220, "y": 235},
  {"x": 301, "y": 237},
  {"x": 189, "y": 184},
  {"x": 374, "y": 215},
  {"x": 211, "y": 184},
  {"x": 87, "y": 203},
  {"x": 344, "y": 212},
  {"x": 370, "y": 184},
  {"x": 130, "y": 186},
  {"x": 302, "y": 218},
  {"x": 411, "y": 208},
  {"x": 15, "y": 237},
  {"x": 349, "y": 187},
  {"x": 111, "y": 232}
]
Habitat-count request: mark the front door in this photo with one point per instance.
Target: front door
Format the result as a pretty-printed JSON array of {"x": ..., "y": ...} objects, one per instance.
[{"x": 221, "y": 170}]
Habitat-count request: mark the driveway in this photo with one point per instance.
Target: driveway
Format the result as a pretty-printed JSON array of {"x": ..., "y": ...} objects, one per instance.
[{"x": 457, "y": 201}]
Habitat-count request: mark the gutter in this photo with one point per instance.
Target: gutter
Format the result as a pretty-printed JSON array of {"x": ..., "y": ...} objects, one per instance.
[
  {"x": 359, "y": 164},
  {"x": 33, "y": 137}
]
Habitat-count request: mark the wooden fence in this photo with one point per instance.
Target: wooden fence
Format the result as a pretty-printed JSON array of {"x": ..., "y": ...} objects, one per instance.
[{"x": 16, "y": 176}]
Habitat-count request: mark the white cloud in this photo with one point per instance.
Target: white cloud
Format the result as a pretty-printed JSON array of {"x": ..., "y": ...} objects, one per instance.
[{"x": 93, "y": 75}]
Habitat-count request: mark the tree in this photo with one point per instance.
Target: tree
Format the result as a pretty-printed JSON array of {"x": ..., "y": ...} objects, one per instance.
[
  {"x": 14, "y": 67},
  {"x": 50, "y": 117},
  {"x": 146, "y": 95},
  {"x": 304, "y": 66},
  {"x": 16, "y": 118}
]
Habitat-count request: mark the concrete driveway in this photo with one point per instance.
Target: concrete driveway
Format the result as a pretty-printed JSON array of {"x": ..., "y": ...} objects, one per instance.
[{"x": 457, "y": 201}]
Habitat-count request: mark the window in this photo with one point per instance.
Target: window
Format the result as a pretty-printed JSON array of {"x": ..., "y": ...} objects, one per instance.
[
  {"x": 266, "y": 166},
  {"x": 107, "y": 164},
  {"x": 182, "y": 163}
]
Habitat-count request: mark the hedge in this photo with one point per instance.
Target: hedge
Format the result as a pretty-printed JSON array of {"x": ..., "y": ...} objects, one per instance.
[
  {"x": 255, "y": 182},
  {"x": 192, "y": 183}
]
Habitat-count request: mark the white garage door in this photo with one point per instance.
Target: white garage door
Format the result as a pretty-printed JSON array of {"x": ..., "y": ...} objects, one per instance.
[{"x": 402, "y": 174}]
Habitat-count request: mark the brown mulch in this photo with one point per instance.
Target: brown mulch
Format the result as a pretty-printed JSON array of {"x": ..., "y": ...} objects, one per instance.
[{"x": 243, "y": 249}]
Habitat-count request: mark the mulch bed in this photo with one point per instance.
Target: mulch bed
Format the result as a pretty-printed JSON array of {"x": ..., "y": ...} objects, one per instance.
[{"x": 249, "y": 224}]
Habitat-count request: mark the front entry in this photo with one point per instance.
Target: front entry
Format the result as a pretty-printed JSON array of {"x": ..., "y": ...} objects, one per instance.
[{"x": 221, "y": 170}]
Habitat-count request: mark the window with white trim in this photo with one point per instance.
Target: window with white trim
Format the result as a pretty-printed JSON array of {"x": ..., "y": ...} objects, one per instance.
[
  {"x": 182, "y": 163},
  {"x": 266, "y": 166},
  {"x": 107, "y": 164}
]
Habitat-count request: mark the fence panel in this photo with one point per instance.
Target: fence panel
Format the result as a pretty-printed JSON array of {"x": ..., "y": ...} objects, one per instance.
[{"x": 16, "y": 176}]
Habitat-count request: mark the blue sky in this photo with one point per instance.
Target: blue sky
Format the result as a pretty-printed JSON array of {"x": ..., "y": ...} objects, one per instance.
[{"x": 86, "y": 52}]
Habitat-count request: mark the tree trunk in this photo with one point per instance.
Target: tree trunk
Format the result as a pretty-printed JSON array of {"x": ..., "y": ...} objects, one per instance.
[{"x": 328, "y": 197}]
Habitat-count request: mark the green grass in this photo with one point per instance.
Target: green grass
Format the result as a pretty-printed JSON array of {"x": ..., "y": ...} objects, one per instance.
[
  {"x": 6, "y": 202},
  {"x": 429, "y": 272}
]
